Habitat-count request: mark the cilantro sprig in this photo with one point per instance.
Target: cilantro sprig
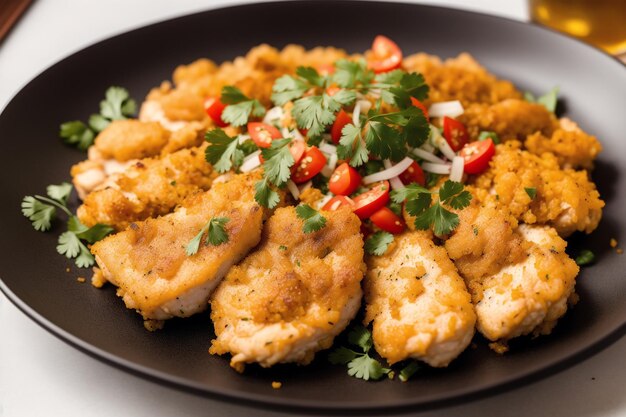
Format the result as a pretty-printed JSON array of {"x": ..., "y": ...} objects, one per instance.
[
  {"x": 312, "y": 219},
  {"x": 378, "y": 243},
  {"x": 239, "y": 106},
  {"x": 548, "y": 100},
  {"x": 117, "y": 105},
  {"x": 360, "y": 364},
  {"x": 418, "y": 203},
  {"x": 215, "y": 235},
  {"x": 278, "y": 161},
  {"x": 41, "y": 211}
]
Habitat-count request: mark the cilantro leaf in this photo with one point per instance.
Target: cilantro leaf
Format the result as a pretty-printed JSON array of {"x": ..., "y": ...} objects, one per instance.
[
  {"x": 95, "y": 233},
  {"x": 311, "y": 75},
  {"x": 547, "y": 100},
  {"x": 77, "y": 133},
  {"x": 342, "y": 356},
  {"x": 378, "y": 243},
  {"x": 278, "y": 161},
  {"x": 264, "y": 195},
  {"x": 314, "y": 113},
  {"x": 411, "y": 85},
  {"x": 223, "y": 151},
  {"x": 68, "y": 245},
  {"x": 366, "y": 368},
  {"x": 288, "y": 88},
  {"x": 216, "y": 235},
  {"x": 416, "y": 129},
  {"x": 409, "y": 192},
  {"x": 349, "y": 73},
  {"x": 360, "y": 336},
  {"x": 351, "y": 146},
  {"x": 84, "y": 259},
  {"x": 239, "y": 106},
  {"x": 384, "y": 141},
  {"x": 485, "y": 134},
  {"x": 531, "y": 191},
  {"x": 443, "y": 220},
  {"x": 98, "y": 123},
  {"x": 313, "y": 220},
  {"x": 453, "y": 194},
  {"x": 117, "y": 104},
  {"x": 60, "y": 192},
  {"x": 40, "y": 214},
  {"x": 360, "y": 364}
]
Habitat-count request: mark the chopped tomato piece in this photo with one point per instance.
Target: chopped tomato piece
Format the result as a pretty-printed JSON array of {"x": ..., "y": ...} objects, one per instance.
[
  {"x": 388, "y": 221},
  {"x": 371, "y": 201},
  {"x": 413, "y": 173},
  {"x": 385, "y": 55},
  {"x": 341, "y": 120},
  {"x": 262, "y": 134},
  {"x": 214, "y": 108},
  {"x": 345, "y": 180},
  {"x": 325, "y": 69},
  {"x": 420, "y": 106},
  {"x": 477, "y": 155},
  {"x": 309, "y": 166},
  {"x": 455, "y": 133},
  {"x": 338, "y": 201}
]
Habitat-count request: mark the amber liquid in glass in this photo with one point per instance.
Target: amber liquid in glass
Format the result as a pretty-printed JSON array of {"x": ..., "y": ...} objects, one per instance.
[{"x": 599, "y": 22}]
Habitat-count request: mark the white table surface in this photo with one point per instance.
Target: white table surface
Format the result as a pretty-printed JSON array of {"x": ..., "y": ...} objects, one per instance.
[{"x": 42, "y": 376}]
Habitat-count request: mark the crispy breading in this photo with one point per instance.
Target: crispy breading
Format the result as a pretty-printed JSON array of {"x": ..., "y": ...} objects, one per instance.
[
  {"x": 461, "y": 78},
  {"x": 292, "y": 295},
  {"x": 572, "y": 147},
  {"x": 149, "y": 263},
  {"x": 565, "y": 199},
  {"x": 150, "y": 187},
  {"x": 418, "y": 303},
  {"x": 123, "y": 140}
]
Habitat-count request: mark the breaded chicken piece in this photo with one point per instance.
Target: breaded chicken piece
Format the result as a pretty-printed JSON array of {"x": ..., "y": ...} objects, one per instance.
[
  {"x": 572, "y": 147},
  {"x": 292, "y": 295},
  {"x": 509, "y": 119},
  {"x": 149, "y": 188},
  {"x": 124, "y": 140},
  {"x": 565, "y": 199},
  {"x": 531, "y": 295},
  {"x": 418, "y": 303},
  {"x": 149, "y": 263},
  {"x": 461, "y": 78}
]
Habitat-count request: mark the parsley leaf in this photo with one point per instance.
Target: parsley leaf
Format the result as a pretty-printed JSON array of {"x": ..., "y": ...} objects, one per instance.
[
  {"x": 443, "y": 221},
  {"x": 311, "y": 75},
  {"x": 60, "y": 192},
  {"x": 453, "y": 194},
  {"x": 384, "y": 141},
  {"x": 216, "y": 235},
  {"x": 117, "y": 104},
  {"x": 366, "y": 367},
  {"x": 278, "y": 161},
  {"x": 351, "y": 146},
  {"x": 313, "y": 220},
  {"x": 223, "y": 151},
  {"x": 264, "y": 195},
  {"x": 547, "y": 100},
  {"x": 531, "y": 191},
  {"x": 349, "y": 73},
  {"x": 314, "y": 113},
  {"x": 341, "y": 356},
  {"x": 288, "y": 88},
  {"x": 361, "y": 337},
  {"x": 378, "y": 243},
  {"x": 360, "y": 364},
  {"x": 78, "y": 134},
  {"x": 40, "y": 214},
  {"x": 239, "y": 106}
]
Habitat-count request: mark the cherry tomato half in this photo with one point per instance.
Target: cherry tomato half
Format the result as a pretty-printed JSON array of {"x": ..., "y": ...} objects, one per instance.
[
  {"x": 371, "y": 201},
  {"x": 477, "y": 155},
  {"x": 214, "y": 108},
  {"x": 388, "y": 221},
  {"x": 345, "y": 180},
  {"x": 309, "y": 166},
  {"x": 455, "y": 133},
  {"x": 420, "y": 106},
  {"x": 297, "y": 149},
  {"x": 413, "y": 173},
  {"x": 262, "y": 134},
  {"x": 338, "y": 201},
  {"x": 385, "y": 56},
  {"x": 341, "y": 120}
]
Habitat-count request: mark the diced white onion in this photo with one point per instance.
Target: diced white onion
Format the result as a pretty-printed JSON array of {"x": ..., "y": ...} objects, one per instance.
[
  {"x": 428, "y": 156},
  {"x": 395, "y": 183},
  {"x": 456, "y": 171},
  {"x": 324, "y": 200},
  {"x": 243, "y": 138},
  {"x": 285, "y": 132},
  {"x": 446, "y": 108},
  {"x": 388, "y": 173},
  {"x": 250, "y": 162},
  {"x": 332, "y": 161},
  {"x": 366, "y": 105},
  {"x": 356, "y": 113},
  {"x": 296, "y": 135},
  {"x": 275, "y": 113},
  {"x": 293, "y": 189},
  {"x": 428, "y": 147},
  {"x": 441, "y": 143},
  {"x": 442, "y": 169},
  {"x": 328, "y": 148},
  {"x": 375, "y": 92},
  {"x": 305, "y": 186}
]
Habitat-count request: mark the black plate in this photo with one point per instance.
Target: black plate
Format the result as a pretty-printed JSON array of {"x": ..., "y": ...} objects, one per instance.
[{"x": 594, "y": 93}]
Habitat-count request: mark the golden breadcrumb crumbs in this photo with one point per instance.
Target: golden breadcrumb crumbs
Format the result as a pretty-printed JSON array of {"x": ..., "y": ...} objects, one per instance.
[
  {"x": 499, "y": 347},
  {"x": 619, "y": 251},
  {"x": 153, "y": 325},
  {"x": 81, "y": 279},
  {"x": 573, "y": 299},
  {"x": 98, "y": 279},
  {"x": 613, "y": 242},
  {"x": 277, "y": 385},
  {"x": 67, "y": 270}
]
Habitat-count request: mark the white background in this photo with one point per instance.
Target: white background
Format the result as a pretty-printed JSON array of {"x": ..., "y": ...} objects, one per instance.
[{"x": 42, "y": 376}]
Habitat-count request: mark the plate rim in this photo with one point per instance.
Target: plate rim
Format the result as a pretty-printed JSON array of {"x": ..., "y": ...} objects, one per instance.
[{"x": 302, "y": 405}]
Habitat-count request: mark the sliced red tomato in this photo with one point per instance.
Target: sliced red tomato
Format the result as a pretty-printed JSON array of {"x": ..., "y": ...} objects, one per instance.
[
  {"x": 341, "y": 120},
  {"x": 262, "y": 134},
  {"x": 477, "y": 155},
  {"x": 413, "y": 173},
  {"x": 385, "y": 56},
  {"x": 420, "y": 106},
  {"x": 338, "y": 201},
  {"x": 371, "y": 201},
  {"x": 455, "y": 133},
  {"x": 388, "y": 221},
  {"x": 309, "y": 166},
  {"x": 297, "y": 149},
  {"x": 214, "y": 108},
  {"x": 345, "y": 180}
]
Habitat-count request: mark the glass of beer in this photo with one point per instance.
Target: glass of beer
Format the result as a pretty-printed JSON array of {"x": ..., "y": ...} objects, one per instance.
[{"x": 599, "y": 22}]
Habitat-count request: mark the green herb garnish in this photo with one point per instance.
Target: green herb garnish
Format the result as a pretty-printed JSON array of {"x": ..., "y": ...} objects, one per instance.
[
  {"x": 378, "y": 243},
  {"x": 313, "y": 220},
  {"x": 239, "y": 107},
  {"x": 215, "y": 235},
  {"x": 585, "y": 257},
  {"x": 360, "y": 363}
]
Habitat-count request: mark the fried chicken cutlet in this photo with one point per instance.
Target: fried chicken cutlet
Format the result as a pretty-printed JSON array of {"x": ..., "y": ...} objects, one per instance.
[
  {"x": 292, "y": 295},
  {"x": 418, "y": 303},
  {"x": 148, "y": 261}
]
